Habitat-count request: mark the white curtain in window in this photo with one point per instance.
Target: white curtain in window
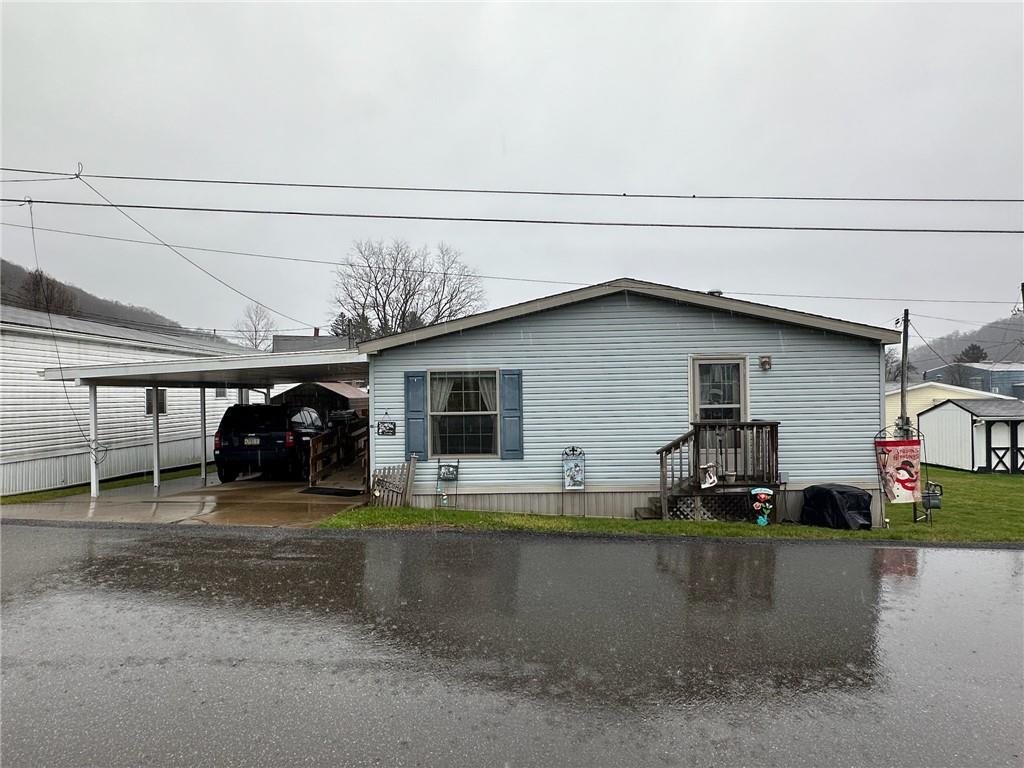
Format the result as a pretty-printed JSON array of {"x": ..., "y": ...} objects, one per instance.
[
  {"x": 440, "y": 390},
  {"x": 488, "y": 392}
]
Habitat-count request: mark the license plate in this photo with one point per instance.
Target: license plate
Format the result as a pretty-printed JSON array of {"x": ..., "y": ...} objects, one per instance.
[{"x": 252, "y": 441}]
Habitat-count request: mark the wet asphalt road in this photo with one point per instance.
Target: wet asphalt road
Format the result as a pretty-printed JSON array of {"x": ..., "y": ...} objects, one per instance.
[{"x": 199, "y": 647}]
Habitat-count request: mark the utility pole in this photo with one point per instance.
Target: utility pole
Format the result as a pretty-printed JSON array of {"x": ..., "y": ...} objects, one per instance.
[{"x": 904, "y": 423}]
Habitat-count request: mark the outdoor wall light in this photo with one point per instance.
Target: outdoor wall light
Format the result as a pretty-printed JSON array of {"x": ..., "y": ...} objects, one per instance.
[{"x": 766, "y": 362}]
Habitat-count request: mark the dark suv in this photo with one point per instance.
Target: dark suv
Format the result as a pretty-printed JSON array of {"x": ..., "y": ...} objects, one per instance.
[{"x": 264, "y": 438}]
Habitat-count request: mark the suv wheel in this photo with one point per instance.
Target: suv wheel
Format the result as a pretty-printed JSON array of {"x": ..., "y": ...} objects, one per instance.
[{"x": 226, "y": 474}]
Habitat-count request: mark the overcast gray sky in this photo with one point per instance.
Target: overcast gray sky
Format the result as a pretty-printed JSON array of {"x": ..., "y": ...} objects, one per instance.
[{"x": 779, "y": 99}]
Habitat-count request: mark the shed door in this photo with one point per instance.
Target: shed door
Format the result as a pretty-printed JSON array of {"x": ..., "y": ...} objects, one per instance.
[{"x": 1002, "y": 447}]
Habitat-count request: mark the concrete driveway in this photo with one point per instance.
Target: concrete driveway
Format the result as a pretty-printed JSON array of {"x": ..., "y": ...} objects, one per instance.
[{"x": 187, "y": 502}]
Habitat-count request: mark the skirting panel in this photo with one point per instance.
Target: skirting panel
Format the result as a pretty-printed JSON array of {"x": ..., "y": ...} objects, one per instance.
[{"x": 589, "y": 504}]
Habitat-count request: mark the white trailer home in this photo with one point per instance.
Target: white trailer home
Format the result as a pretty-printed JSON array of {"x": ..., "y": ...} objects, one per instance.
[
  {"x": 651, "y": 382},
  {"x": 984, "y": 435},
  {"x": 44, "y": 425}
]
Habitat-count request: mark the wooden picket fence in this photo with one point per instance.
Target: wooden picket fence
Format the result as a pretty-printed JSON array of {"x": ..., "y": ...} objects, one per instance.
[{"x": 392, "y": 485}]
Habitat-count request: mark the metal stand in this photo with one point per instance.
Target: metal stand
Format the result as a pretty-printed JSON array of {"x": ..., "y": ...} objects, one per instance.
[
  {"x": 447, "y": 478},
  {"x": 907, "y": 432}
]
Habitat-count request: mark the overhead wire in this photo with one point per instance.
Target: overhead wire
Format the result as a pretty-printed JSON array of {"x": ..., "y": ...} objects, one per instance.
[
  {"x": 198, "y": 266},
  {"x": 546, "y": 281},
  {"x": 98, "y": 451},
  {"x": 524, "y": 192},
  {"x": 517, "y": 220}
]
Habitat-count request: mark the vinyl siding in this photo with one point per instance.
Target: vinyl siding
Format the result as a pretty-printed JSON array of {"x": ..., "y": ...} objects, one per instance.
[
  {"x": 610, "y": 375},
  {"x": 947, "y": 432},
  {"x": 44, "y": 441}
]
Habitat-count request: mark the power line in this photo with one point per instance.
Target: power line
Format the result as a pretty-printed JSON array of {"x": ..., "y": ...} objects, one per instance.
[
  {"x": 524, "y": 192},
  {"x": 205, "y": 271},
  {"x": 570, "y": 283},
  {"x": 498, "y": 220},
  {"x": 993, "y": 324},
  {"x": 299, "y": 259},
  {"x": 94, "y": 445}
]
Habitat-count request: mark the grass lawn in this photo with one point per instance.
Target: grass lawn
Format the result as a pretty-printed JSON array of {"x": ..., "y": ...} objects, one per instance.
[
  {"x": 74, "y": 490},
  {"x": 976, "y": 508}
]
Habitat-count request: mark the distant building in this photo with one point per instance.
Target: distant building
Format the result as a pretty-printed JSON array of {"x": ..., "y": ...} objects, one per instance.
[
  {"x": 44, "y": 426},
  {"x": 924, "y": 395},
  {"x": 997, "y": 378},
  {"x": 308, "y": 343}
]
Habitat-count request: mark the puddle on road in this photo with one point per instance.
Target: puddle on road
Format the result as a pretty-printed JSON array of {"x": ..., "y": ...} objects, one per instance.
[{"x": 762, "y": 637}]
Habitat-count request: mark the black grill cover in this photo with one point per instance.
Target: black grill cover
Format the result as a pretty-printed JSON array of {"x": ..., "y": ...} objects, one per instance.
[{"x": 832, "y": 505}]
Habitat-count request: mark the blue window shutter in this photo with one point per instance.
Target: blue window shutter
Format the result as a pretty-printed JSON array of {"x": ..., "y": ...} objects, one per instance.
[
  {"x": 416, "y": 415},
  {"x": 511, "y": 414}
]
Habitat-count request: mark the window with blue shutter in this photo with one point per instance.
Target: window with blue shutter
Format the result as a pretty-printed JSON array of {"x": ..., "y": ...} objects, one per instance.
[
  {"x": 511, "y": 414},
  {"x": 416, "y": 415}
]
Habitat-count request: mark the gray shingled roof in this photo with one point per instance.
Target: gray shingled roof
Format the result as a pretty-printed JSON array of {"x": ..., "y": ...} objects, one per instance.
[
  {"x": 993, "y": 408},
  {"x": 195, "y": 343}
]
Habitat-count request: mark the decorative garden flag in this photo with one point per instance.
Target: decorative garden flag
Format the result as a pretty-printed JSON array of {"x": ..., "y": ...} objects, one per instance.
[{"x": 899, "y": 466}]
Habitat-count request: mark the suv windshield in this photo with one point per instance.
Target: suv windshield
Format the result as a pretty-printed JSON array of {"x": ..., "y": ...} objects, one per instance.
[{"x": 255, "y": 418}]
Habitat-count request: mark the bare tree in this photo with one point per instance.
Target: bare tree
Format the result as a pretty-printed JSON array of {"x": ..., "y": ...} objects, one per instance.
[
  {"x": 43, "y": 293},
  {"x": 391, "y": 287},
  {"x": 256, "y": 328},
  {"x": 893, "y": 367}
]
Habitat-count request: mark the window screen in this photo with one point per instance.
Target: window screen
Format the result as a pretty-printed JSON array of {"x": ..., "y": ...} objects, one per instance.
[
  {"x": 719, "y": 391},
  {"x": 463, "y": 413}
]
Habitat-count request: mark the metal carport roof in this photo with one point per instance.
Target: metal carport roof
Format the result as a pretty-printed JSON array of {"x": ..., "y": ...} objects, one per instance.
[
  {"x": 257, "y": 371},
  {"x": 248, "y": 371}
]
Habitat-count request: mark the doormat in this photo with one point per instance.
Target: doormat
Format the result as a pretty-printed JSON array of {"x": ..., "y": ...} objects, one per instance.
[{"x": 332, "y": 491}]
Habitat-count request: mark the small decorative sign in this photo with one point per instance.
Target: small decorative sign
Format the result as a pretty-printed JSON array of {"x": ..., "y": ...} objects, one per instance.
[
  {"x": 447, "y": 473},
  {"x": 386, "y": 428},
  {"x": 708, "y": 475},
  {"x": 574, "y": 468},
  {"x": 763, "y": 502}
]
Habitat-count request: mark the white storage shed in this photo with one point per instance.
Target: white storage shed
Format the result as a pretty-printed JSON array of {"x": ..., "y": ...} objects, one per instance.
[{"x": 984, "y": 435}]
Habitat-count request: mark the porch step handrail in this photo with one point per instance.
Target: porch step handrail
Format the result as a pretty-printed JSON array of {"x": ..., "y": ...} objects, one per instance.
[{"x": 747, "y": 450}]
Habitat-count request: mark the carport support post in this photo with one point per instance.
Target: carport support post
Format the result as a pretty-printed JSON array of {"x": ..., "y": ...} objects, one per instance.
[
  {"x": 94, "y": 441},
  {"x": 156, "y": 436},
  {"x": 202, "y": 434}
]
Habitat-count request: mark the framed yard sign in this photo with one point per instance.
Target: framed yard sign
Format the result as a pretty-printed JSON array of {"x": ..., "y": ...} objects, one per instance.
[{"x": 574, "y": 468}]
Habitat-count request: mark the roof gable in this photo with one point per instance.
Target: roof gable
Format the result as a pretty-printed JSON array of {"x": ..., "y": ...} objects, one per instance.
[{"x": 629, "y": 285}]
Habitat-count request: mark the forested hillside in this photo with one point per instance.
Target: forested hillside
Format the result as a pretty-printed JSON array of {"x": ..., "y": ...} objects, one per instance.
[
  {"x": 1002, "y": 340},
  {"x": 86, "y": 305}
]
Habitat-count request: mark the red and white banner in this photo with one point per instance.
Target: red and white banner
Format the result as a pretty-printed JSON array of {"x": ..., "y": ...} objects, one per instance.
[{"x": 899, "y": 464}]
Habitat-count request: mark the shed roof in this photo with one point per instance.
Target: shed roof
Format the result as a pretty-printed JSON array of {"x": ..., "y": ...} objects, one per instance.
[
  {"x": 987, "y": 409},
  {"x": 338, "y": 387},
  {"x": 655, "y": 290},
  {"x": 14, "y": 317}
]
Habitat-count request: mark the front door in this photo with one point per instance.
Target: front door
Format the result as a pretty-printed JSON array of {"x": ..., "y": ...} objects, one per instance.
[{"x": 719, "y": 395}]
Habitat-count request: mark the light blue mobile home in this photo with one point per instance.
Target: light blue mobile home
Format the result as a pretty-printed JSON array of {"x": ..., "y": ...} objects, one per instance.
[{"x": 621, "y": 370}]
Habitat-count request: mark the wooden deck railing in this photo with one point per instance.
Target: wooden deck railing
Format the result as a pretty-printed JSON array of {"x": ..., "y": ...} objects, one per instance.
[{"x": 743, "y": 452}]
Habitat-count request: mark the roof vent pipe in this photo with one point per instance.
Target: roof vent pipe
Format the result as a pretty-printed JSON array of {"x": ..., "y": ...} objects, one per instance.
[{"x": 715, "y": 293}]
